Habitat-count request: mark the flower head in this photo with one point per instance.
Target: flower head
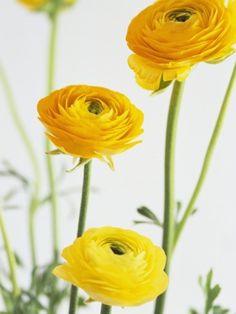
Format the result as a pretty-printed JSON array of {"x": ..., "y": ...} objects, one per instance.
[
  {"x": 171, "y": 36},
  {"x": 33, "y": 4},
  {"x": 46, "y": 5},
  {"x": 115, "y": 266},
  {"x": 90, "y": 122}
]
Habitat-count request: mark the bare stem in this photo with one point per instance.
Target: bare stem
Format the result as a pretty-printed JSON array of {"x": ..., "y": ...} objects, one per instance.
[
  {"x": 81, "y": 226},
  {"x": 169, "y": 206},
  {"x": 208, "y": 156}
]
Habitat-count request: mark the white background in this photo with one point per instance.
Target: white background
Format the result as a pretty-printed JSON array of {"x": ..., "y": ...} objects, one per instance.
[{"x": 92, "y": 50}]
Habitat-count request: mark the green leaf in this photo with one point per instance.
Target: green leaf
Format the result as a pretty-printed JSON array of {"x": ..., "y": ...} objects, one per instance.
[
  {"x": 18, "y": 260},
  {"x": 146, "y": 212},
  {"x": 192, "y": 311},
  {"x": 179, "y": 206},
  {"x": 144, "y": 222},
  {"x": 162, "y": 87},
  {"x": 217, "y": 309},
  {"x": 54, "y": 152},
  {"x": 208, "y": 281},
  {"x": 81, "y": 162},
  {"x": 200, "y": 282},
  {"x": 81, "y": 301},
  {"x": 12, "y": 172},
  {"x": 212, "y": 295},
  {"x": 194, "y": 211}
]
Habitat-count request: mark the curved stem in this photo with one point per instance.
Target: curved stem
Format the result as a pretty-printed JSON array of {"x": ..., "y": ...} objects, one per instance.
[
  {"x": 10, "y": 256},
  {"x": 169, "y": 203},
  {"x": 50, "y": 169},
  {"x": 208, "y": 156},
  {"x": 81, "y": 226},
  {"x": 30, "y": 150},
  {"x": 105, "y": 309}
]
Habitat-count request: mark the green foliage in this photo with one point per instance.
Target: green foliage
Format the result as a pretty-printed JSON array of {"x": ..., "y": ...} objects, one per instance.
[
  {"x": 26, "y": 302},
  {"x": 211, "y": 292},
  {"x": 44, "y": 295},
  {"x": 147, "y": 213},
  {"x": 11, "y": 172},
  {"x": 44, "y": 283}
]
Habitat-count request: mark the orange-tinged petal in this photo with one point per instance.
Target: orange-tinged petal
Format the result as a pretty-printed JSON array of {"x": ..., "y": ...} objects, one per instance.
[
  {"x": 169, "y": 37},
  {"x": 90, "y": 121}
]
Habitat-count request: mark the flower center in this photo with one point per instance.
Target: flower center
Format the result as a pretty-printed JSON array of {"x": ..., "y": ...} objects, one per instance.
[
  {"x": 116, "y": 249},
  {"x": 180, "y": 16},
  {"x": 95, "y": 107}
]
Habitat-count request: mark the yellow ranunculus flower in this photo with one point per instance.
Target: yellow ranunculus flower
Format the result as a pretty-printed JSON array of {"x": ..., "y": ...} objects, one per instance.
[
  {"x": 115, "y": 266},
  {"x": 39, "y": 4},
  {"x": 33, "y": 4},
  {"x": 90, "y": 121},
  {"x": 171, "y": 36}
]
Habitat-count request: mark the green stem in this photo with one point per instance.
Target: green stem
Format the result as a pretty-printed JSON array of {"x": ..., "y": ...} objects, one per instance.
[
  {"x": 81, "y": 226},
  {"x": 208, "y": 156},
  {"x": 52, "y": 51},
  {"x": 31, "y": 223},
  {"x": 4, "y": 299},
  {"x": 50, "y": 169},
  {"x": 10, "y": 256},
  {"x": 169, "y": 202},
  {"x": 34, "y": 162},
  {"x": 105, "y": 309}
]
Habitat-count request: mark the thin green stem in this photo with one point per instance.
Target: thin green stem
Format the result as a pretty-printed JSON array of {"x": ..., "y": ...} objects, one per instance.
[
  {"x": 34, "y": 162},
  {"x": 52, "y": 51},
  {"x": 4, "y": 299},
  {"x": 50, "y": 169},
  {"x": 10, "y": 256},
  {"x": 31, "y": 223},
  {"x": 208, "y": 156},
  {"x": 169, "y": 201},
  {"x": 105, "y": 309},
  {"x": 81, "y": 226}
]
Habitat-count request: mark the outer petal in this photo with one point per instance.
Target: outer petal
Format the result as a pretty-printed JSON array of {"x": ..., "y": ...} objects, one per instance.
[{"x": 149, "y": 74}]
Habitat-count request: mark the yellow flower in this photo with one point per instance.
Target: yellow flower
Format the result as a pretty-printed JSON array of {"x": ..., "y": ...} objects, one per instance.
[
  {"x": 169, "y": 37},
  {"x": 90, "y": 121},
  {"x": 33, "y": 4},
  {"x": 115, "y": 266},
  {"x": 48, "y": 5}
]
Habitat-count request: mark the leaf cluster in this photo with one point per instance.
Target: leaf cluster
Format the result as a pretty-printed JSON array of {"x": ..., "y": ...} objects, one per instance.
[
  {"x": 211, "y": 292},
  {"x": 44, "y": 294}
]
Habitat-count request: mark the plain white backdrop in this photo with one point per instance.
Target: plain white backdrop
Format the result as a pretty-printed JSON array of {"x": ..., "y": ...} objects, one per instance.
[{"x": 92, "y": 50}]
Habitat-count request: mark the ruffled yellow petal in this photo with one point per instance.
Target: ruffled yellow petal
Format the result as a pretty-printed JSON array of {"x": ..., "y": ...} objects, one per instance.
[
  {"x": 169, "y": 37},
  {"x": 90, "y": 122},
  {"x": 111, "y": 263},
  {"x": 149, "y": 75}
]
